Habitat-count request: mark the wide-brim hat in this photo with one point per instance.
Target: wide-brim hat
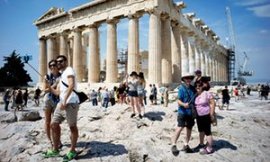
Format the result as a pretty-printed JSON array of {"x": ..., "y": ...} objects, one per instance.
[
  {"x": 187, "y": 75},
  {"x": 133, "y": 73}
]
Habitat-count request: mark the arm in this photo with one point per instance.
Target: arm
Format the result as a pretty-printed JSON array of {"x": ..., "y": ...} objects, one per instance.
[
  {"x": 212, "y": 104},
  {"x": 70, "y": 88},
  {"x": 180, "y": 103}
]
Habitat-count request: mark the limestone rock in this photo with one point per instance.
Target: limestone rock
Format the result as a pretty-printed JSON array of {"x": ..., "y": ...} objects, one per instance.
[{"x": 29, "y": 116}]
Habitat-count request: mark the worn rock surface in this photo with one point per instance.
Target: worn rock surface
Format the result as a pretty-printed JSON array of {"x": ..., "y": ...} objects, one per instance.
[{"x": 242, "y": 134}]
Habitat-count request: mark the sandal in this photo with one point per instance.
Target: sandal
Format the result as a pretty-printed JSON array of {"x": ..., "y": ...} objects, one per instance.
[
  {"x": 69, "y": 156},
  {"x": 174, "y": 150},
  {"x": 51, "y": 153},
  {"x": 204, "y": 151}
]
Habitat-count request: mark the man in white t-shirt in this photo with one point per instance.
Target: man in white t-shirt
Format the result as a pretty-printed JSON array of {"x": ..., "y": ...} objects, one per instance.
[{"x": 67, "y": 108}]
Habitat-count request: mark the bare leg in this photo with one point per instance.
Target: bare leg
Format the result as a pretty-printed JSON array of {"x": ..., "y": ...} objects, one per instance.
[
  {"x": 176, "y": 135},
  {"x": 74, "y": 137},
  {"x": 209, "y": 142},
  {"x": 48, "y": 116},
  {"x": 188, "y": 136},
  {"x": 137, "y": 104},
  {"x": 56, "y": 135},
  {"x": 201, "y": 135}
]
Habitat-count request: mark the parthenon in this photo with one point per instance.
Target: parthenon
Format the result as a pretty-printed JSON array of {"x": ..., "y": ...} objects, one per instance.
[{"x": 178, "y": 43}]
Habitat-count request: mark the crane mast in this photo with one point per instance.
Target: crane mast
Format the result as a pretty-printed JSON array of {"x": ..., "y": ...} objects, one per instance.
[{"x": 231, "y": 50}]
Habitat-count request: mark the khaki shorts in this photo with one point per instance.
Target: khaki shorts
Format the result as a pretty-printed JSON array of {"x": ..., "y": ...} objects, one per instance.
[
  {"x": 50, "y": 105},
  {"x": 70, "y": 113}
]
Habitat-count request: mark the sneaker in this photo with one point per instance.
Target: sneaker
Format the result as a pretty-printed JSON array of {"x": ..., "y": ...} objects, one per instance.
[
  {"x": 140, "y": 116},
  {"x": 174, "y": 150},
  {"x": 69, "y": 156},
  {"x": 200, "y": 146},
  {"x": 51, "y": 153},
  {"x": 132, "y": 115},
  {"x": 204, "y": 151},
  {"x": 187, "y": 149}
]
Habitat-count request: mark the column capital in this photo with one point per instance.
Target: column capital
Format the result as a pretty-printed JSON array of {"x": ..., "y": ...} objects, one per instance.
[
  {"x": 94, "y": 25},
  {"x": 42, "y": 38},
  {"x": 153, "y": 11},
  {"x": 175, "y": 23},
  {"x": 112, "y": 21},
  {"x": 136, "y": 15},
  {"x": 164, "y": 16}
]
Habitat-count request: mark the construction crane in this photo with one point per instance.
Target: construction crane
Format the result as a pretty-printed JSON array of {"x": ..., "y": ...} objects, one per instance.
[
  {"x": 231, "y": 50},
  {"x": 242, "y": 68}
]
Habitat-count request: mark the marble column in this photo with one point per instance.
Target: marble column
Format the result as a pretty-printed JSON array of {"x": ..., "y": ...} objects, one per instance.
[
  {"x": 202, "y": 57},
  {"x": 51, "y": 45},
  {"x": 166, "y": 56},
  {"x": 42, "y": 59},
  {"x": 191, "y": 57},
  {"x": 77, "y": 55},
  {"x": 154, "y": 64},
  {"x": 133, "y": 44},
  {"x": 111, "y": 58},
  {"x": 184, "y": 53},
  {"x": 207, "y": 62},
  {"x": 176, "y": 53},
  {"x": 94, "y": 62},
  {"x": 70, "y": 53},
  {"x": 63, "y": 44},
  {"x": 197, "y": 56}
]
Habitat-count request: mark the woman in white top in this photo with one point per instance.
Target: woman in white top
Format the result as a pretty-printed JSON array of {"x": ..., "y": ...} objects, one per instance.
[
  {"x": 141, "y": 91},
  {"x": 133, "y": 94}
]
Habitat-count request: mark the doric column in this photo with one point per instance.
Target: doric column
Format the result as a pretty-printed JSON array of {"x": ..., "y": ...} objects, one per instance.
[
  {"x": 111, "y": 58},
  {"x": 51, "y": 45},
  {"x": 207, "y": 62},
  {"x": 42, "y": 59},
  {"x": 63, "y": 44},
  {"x": 77, "y": 55},
  {"x": 197, "y": 56},
  {"x": 176, "y": 53},
  {"x": 166, "y": 62},
  {"x": 133, "y": 43},
  {"x": 212, "y": 67},
  {"x": 70, "y": 53},
  {"x": 94, "y": 60},
  {"x": 191, "y": 57},
  {"x": 184, "y": 53},
  {"x": 202, "y": 57},
  {"x": 154, "y": 65}
]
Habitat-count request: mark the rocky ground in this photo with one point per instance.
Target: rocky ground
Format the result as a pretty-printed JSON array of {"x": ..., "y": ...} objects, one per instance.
[{"x": 242, "y": 134}]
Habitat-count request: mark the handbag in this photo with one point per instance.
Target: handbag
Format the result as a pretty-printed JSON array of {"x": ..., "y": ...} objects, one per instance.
[{"x": 81, "y": 95}]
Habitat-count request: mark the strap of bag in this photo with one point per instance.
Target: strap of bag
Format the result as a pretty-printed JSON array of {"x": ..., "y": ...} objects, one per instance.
[
  {"x": 190, "y": 99},
  {"x": 67, "y": 87}
]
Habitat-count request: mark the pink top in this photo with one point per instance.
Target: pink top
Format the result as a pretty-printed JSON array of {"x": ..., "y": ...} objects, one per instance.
[{"x": 202, "y": 103}]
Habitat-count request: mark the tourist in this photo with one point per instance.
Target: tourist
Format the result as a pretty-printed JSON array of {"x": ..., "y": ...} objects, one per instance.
[
  {"x": 198, "y": 77},
  {"x": 225, "y": 98},
  {"x": 25, "y": 97},
  {"x": 93, "y": 97},
  {"x": 122, "y": 93},
  {"x": 19, "y": 100},
  {"x": 186, "y": 95},
  {"x": 50, "y": 99},
  {"x": 7, "y": 99},
  {"x": 112, "y": 96},
  {"x": 205, "y": 106},
  {"x": 13, "y": 96},
  {"x": 133, "y": 94},
  {"x": 141, "y": 91},
  {"x": 99, "y": 95},
  {"x": 166, "y": 96},
  {"x": 37, "y": 96},
  {"x": 151, "y": 96},
  {"x": 67, "y": 108},
  {"x": 154, "y": 89},
  {"x": 248, "y": 90},
  {"x": 236, "y": 94},
  {"x": 105, "y": 95}
]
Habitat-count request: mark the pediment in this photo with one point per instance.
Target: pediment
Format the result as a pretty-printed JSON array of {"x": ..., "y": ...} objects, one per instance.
[{"x": 53, "y": 11}]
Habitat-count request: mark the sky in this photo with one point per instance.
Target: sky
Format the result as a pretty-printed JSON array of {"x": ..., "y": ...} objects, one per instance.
[{"x": 250, "y": 18}]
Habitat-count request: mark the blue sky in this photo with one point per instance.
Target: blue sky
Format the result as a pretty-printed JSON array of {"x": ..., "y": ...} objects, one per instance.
[{"x": 251, "y": 20}]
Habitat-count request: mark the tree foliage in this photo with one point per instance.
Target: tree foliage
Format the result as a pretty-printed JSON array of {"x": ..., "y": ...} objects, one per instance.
[{"x": 13, "y": 73}]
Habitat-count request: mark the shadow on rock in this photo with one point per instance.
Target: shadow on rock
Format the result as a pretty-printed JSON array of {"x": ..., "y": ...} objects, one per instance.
[
  {"x": 223, "y": 144},
  {"x": 155, "y": 115},
  {"x": 219, "y": 117},
  {"x": 95, "y": 149}
]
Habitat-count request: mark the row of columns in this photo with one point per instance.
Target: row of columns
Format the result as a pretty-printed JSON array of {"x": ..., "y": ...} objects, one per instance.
[{"x": 173, "y": 51}]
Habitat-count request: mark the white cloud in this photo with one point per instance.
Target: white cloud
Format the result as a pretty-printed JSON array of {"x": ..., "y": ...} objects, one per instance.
[
  {"x": 261, "y": 11},
  {"x": 250, "y": 2},
  {"x": 263, "y": 31}
]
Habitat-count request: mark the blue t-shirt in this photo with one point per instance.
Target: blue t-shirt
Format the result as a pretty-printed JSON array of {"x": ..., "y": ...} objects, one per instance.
[{"x": 185, "y": 94}]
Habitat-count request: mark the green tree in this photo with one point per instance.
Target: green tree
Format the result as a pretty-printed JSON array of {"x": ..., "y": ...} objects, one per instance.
[{"x": 13, "y": 73}]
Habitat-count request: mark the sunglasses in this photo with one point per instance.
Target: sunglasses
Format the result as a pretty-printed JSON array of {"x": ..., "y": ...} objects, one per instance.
[
  {"x": 52, "y": 65},
  {"x": 59, "y": 61}
]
